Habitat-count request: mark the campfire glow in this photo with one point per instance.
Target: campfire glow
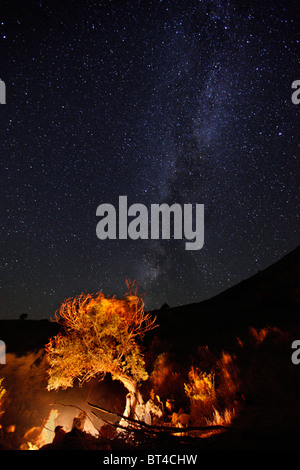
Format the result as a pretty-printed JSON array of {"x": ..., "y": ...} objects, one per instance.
[
  {"x": 37, "y": 437},
  {"x": 100, "y": 336}
]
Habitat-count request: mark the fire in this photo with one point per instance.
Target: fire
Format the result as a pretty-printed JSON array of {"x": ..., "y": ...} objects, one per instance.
[
  {"x": 36, "y": 437},
  {"x": 201, "y": 386},
  {"x": 222, "y": 418},
  {"x": 214, "y": 395},
  {"x": 2, "y": 393},
  {"x": 259, "y": 335}
]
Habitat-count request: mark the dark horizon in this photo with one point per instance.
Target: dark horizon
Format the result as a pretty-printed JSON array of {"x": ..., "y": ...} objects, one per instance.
[{"x": 164, "y": 306}]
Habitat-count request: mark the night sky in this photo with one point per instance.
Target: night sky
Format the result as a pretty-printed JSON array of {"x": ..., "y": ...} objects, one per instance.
[{"x": 161, "y": 101}]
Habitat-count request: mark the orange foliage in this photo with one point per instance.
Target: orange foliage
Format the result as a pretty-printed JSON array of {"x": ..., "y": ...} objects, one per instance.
[
  {"x": 100, "y": 336},
  {"x": 78, "y": 313}
]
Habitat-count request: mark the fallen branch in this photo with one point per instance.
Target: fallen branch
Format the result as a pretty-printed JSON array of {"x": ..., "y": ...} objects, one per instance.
[
  {"x": 117, "y": 425},
  {"x": 155, "y": 428}
]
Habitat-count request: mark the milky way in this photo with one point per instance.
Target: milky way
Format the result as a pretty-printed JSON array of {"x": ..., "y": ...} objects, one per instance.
[{"x": 161, "y": 101}]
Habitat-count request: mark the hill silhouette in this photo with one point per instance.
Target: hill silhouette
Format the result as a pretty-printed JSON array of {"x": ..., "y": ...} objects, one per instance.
[{"x": 270, "y": 297}]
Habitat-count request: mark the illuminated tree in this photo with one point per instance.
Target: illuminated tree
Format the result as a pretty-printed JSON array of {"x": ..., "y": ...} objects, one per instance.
[{"x": 100, "y": 335}]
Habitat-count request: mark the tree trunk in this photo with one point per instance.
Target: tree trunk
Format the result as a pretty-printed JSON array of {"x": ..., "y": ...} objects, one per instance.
[{"x": 135, "y": 407}]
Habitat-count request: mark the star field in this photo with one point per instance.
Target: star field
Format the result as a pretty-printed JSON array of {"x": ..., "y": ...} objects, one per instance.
[{"x": 162, "y": 101}]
